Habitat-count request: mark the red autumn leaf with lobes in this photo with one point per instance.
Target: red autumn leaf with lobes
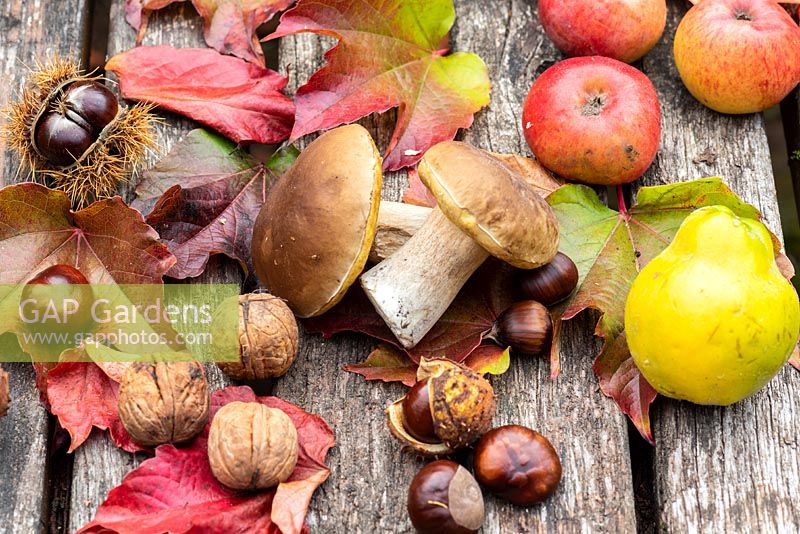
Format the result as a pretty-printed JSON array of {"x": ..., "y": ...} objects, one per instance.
[
  {"x": 176, "y": 491},
  {"x": 82, "y": 396},
  {"x": 241, "y": 100},
  {"x": 390, "y": 54}
]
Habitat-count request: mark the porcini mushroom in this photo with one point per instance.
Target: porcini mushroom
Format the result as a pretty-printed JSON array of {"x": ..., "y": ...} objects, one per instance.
[
  {"x": 314, "y": 233},
  {"x": 483, "y": 208}
]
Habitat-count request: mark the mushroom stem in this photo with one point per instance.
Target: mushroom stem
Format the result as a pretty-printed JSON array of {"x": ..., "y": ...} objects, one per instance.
[
  {"x": 413, "y": 288},
  {"x": 397, "y": 222}
]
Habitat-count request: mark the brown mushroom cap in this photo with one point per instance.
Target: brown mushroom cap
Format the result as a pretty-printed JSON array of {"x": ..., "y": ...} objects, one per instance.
[
  {"x": 491, "y": 203},
  {"x": 312, "y": 238}
]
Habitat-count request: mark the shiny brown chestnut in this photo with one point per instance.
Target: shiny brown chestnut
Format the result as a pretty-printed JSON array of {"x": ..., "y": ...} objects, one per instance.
[
  {"x": 59, "y": 299},
  {"x": 444, "y": 498},
  {"x": 73, "y": 122},
  {"x": 517, "y": 464},
  {"x": 418, "y": 414},
  {"x": 524, "y": 326},
  {"x": 549, "y": 283}
]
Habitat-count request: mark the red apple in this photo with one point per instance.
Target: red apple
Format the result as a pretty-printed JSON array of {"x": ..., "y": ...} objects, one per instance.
[
  {"x": 623, "y": 29},
  {"x": 738, "y": 56},
  {"x": 594, "y": 120}
]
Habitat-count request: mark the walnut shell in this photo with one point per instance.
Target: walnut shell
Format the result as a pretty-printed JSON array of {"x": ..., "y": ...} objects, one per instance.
[
  {"x": 267, "y": 338},
  {"x": 252, "y": 446},
  {"x": 462, "y": 407},
  {"x": 163, "y": 402}
]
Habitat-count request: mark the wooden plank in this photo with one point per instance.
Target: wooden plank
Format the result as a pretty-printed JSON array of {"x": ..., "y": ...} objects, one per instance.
[
  {"x": 722, "y": 469},
  {"x": 99, "y": 465},
  {"x": 29, "y": 31},
  {"x": 367, "y": 489}
]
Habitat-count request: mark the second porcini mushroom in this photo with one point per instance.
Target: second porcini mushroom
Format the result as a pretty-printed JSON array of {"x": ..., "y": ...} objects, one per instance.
[{"x": 484, "y": 208}]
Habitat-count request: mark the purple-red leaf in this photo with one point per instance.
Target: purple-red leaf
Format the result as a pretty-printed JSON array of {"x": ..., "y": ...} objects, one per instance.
[
  {"x": 229, "y": 26},
  {"x": 176, "y": 491},
  {"x": 210, "y": 195},
  {"x": 241, "y": 100}
]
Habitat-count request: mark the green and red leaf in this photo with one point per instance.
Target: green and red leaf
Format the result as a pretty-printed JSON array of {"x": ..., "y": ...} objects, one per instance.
[{"x": 390, "y": 55}]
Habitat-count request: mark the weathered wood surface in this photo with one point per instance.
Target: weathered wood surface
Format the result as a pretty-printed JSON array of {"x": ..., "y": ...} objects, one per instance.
[
  {"x": 29, "y": 31},
  {"x": 716, "y": 469},
  {"x": 367, "y": 489},
  {"x": 722, "y": 469}
]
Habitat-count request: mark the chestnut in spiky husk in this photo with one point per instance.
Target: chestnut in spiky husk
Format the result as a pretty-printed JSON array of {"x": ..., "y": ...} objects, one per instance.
[
  {"x": 460, "y": 406},
  {"x": 524, "y": 326},
  {"x": 444, "y": 498},
  {"x": 549, "y": 283},
  {"x": 70, "y": 131}
]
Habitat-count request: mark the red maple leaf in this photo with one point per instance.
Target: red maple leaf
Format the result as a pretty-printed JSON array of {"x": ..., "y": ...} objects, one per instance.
[
  {"x": 390, "y": 55},
  {"x": 82, "y": 396},
  {"x": 241, "y": 100}
]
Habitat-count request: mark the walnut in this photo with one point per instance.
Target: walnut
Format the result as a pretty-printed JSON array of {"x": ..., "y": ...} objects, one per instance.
[
  {"x": 267, "y": 338},
  {"x": 163, "y": 402},
  {"x": 252, "y": 446},
  {"x": 4, "y": 397}
]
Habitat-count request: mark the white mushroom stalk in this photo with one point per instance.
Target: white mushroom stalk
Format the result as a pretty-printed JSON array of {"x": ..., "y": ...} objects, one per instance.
[
  {"x": 410, "y": 299},
  {"x": 397, "y": 222},
  {"x": 483, "y": 208}
]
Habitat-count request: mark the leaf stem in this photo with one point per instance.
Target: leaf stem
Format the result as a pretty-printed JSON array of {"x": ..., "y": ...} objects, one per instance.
[{"x": 623, "y": 209}]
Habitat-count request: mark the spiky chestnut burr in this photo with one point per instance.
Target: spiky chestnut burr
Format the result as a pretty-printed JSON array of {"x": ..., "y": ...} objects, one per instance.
[{"x": 71, "y": 133}]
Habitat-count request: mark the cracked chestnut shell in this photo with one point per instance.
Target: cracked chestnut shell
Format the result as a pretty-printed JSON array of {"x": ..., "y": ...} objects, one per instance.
[
  {"x": 444, "y": 498},
  {"x": 517, "y": 464},
  {"x": 267, "y": 338},
  {"x": 252, "y": 446},
  {"x": 163, "y": 402},
  {"x": 461, "y": 403}
]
